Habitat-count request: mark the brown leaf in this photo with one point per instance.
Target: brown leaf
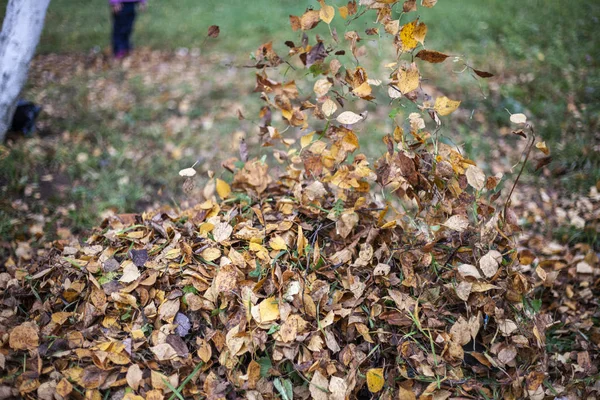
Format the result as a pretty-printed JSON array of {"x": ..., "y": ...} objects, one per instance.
[
  {"x": 431, "y": 56},
  {"x": 483, "y": 74},
  {"x": 213, "y": 31},
  {"x": 24, "y": 337}
]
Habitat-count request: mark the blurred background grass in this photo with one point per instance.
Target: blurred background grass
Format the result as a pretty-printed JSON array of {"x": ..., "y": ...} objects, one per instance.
[{"x": 544, "y": 55}]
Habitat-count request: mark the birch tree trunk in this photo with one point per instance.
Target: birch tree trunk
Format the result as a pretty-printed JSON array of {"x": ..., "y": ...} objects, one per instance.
[{"x": 20, "y": 35}]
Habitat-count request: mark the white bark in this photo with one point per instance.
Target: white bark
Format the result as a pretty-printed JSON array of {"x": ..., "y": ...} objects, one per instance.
[{"x": 21, "y": 30}]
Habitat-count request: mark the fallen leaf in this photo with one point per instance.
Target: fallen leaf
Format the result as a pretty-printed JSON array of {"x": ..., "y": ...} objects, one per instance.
[
  {"x": 457, "y": 223},
  {"x": 318, "y": 386},
  {"x": 375, "y": 380},
  {"x": 475, "y": 177},
  {"x": 489, "y": 263},
  {"x": 223, "y": 189},
  {"x": 24, "y": 337}
]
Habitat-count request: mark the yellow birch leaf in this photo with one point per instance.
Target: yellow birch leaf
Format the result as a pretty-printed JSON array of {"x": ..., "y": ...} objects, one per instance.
[
  {"x": 223, "y": 189},
  {"x": 268, "y": 309},
  {"x": 329, "y": 107},
  {"x": 444, "y": 106},
  {"x": 420, "y": 32},
  {"x": 363, "y": 90},
  {"x": 343, "y": 11},
  {"x": 428, "y": 3},
  {"x": 406, "y": 36},
  {"x": 375, "y": 380},
  {"x": 542, "y": 147},
  {"x": 277, "y": 243},
  {"x": 326, "y": 13},
  {"x": 408, "y": 80},
  {"x": 300, "y": 242},
  {"x": 411, "y": 34},
  {"x": 306, "y": 139}
]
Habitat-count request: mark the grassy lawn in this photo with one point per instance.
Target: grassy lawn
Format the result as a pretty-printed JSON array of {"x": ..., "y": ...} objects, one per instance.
[{"x": 116, "y": 137}]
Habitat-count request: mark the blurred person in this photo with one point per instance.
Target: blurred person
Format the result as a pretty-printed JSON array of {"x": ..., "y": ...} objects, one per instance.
[{"x": 123, "y": 12}]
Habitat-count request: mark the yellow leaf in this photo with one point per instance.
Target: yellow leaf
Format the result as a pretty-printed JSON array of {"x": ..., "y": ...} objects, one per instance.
[
  {"x": 300, "y": 242},
  {"x": 223, "y": 189},
  {"x": 326, "y": 13},
  {"x": 542, "y": 147},
  {"x": 329, "y": 107},
  {"x": 411, "y": 34},
  {"x": 306, "y": 139},
  {"x": 321, "y": 87},
  {"x": 343, "y": 11},
  {"x": 375, "y": 380},
  {"x": 428, "y": 3},
  {"x": 420, "y": 32},
  {"x": 277, "y": 243},
  {"x": 408, "y": 80},
  {"x": 269, "y": 309},
  {"x": 445, "y": 106},
  {"x": 363, "y": 90}
]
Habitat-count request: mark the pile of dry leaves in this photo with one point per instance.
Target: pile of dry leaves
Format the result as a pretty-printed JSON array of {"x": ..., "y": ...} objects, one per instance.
[
  {"x": 282, "y": 289},
  {"x": 303, "y": 281}
]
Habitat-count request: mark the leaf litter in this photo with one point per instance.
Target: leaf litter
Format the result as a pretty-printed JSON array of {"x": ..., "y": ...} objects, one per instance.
[{"x": 302, "y": 281}]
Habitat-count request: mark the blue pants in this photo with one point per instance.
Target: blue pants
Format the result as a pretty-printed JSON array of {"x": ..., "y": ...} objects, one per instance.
[{"x": 122, "y": 28}]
